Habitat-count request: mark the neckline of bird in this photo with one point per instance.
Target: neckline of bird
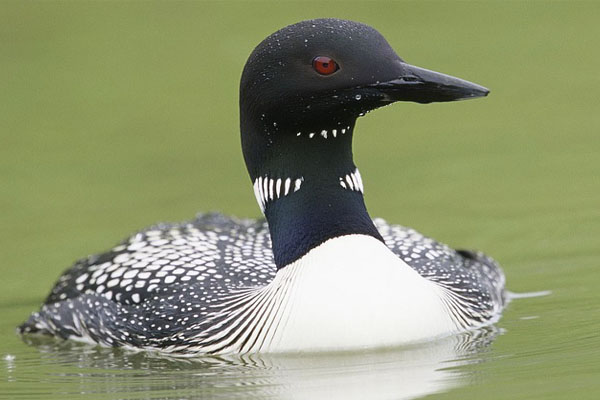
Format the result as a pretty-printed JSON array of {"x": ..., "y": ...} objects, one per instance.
[{"x": 268, "y": 189}]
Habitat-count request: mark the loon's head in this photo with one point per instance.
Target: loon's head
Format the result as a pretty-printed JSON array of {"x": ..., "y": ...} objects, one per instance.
[
  {"x": 301, "y": 91},
  {"x": 320, "y": 75}
]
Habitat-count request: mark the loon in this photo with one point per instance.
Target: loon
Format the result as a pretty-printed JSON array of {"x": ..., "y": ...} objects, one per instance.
[{"x": 319, "y": 273}]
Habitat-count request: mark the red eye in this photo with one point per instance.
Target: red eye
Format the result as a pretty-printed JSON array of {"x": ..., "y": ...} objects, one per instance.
[{"x": 325, "y": 65}]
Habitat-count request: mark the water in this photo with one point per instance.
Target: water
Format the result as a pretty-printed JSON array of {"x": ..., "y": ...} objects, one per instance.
[
  {"x": 116, "y": 116},
  {"x": 72, "y": 370}
]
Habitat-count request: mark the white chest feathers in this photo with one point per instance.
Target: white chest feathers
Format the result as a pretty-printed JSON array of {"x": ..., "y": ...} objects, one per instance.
[{"x": 353, "y": 292}]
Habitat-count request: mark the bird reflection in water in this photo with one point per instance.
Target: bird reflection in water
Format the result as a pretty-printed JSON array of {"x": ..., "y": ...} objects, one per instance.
[{"x": 394, "y": 373}]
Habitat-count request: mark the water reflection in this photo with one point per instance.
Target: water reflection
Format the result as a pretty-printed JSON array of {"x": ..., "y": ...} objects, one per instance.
[{"x": 402, "y": 373}]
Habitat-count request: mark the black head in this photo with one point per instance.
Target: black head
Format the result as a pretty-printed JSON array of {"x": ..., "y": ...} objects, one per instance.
[
  {"x": 322, "y": 74},
  {"x": 301, "y": 91}
]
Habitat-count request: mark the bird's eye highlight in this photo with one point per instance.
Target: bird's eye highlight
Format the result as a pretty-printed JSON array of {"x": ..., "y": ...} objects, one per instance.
[{"x": 325, "y": 65}]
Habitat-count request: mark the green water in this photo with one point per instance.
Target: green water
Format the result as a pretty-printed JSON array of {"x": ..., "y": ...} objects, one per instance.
[{"x": 114, "y": 116}]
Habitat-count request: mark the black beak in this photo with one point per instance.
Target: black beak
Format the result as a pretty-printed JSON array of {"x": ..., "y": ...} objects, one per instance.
[{"x": 424, "y": 86}]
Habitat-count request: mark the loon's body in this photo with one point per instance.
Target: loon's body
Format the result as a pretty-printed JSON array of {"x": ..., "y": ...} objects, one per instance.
[{"x": 319, "y": 273}]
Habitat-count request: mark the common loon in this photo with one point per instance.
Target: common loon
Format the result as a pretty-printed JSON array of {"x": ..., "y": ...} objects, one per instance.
[{"x": 319, "y": 273}]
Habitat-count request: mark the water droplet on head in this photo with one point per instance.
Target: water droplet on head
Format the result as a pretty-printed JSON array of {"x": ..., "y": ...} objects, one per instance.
[{"x": 358, "y": 97}]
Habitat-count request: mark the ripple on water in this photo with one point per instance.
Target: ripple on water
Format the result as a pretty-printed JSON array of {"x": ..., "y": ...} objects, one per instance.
[{"x": 66, "y": 369}]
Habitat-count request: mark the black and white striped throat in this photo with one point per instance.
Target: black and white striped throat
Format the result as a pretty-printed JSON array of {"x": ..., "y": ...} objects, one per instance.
[
  {"x": 268, "y": 189},
  {"x": 352, "y": 181}
]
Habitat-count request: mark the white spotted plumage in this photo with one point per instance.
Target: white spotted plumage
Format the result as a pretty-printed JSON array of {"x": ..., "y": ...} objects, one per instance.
[{"x": 189, "y": 274}]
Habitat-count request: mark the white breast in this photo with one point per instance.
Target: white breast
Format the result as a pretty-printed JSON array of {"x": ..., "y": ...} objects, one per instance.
[{"x": 353, "y": 292}]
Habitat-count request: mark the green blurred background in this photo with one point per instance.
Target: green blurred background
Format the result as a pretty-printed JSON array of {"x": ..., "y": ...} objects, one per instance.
[{"x": 117, "y": 115}]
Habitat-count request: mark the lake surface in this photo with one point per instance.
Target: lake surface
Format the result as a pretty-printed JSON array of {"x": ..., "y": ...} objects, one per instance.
[{"x": 114, "y": 116}]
